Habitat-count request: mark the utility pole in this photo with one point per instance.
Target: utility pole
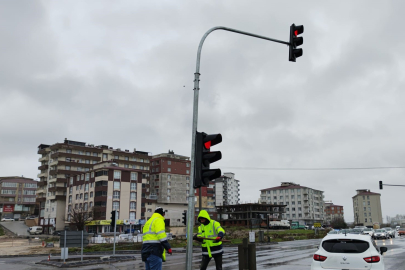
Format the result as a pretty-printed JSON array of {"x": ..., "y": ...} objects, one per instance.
[{"x": 191, "y": 199}]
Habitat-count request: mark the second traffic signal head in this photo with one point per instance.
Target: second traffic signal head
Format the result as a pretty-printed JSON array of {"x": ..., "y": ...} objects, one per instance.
[
  {"x": 295, "y": 41},
  {"x": 204, "y": 157},
  {"x": 113, "y": 218},
  {"x": 184, "y": 218},
  {"x": 381, "y": 185}
]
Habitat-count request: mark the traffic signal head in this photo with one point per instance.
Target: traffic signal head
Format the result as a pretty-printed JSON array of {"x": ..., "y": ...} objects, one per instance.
[
  {"x": 204, "y": 157},
  {"x": 295, "y": 41},
  {"x": 112, "y": 218},
  {"x": 381, "y": 185},
  {"x": 184, "y": 218}
]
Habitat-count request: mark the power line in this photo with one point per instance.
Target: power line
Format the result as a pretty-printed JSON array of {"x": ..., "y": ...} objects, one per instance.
[{"x": 314, "y": 169}]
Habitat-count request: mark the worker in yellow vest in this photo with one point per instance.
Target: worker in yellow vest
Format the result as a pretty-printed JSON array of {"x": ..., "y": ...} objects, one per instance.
[
  {"x": 211, "y": 247},
  {"x": 154, "y": 241}
]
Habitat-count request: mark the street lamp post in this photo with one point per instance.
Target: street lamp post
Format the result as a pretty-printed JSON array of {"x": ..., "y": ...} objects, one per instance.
[{"x": 191, "y": 198}]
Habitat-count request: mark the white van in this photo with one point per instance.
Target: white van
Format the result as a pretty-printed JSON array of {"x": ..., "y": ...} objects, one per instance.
[{"x": 35, "y": 230}]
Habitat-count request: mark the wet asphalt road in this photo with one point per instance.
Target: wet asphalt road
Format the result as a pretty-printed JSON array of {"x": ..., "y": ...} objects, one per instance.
[{"x": 294, "y": 255}]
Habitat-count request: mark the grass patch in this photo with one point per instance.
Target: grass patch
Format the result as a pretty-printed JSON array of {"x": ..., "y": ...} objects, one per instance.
[{"x": 1, "y": 231}]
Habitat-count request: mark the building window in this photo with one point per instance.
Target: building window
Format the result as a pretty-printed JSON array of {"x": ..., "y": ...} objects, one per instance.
[
  {"x": 116, "y": 195},
  {"x": 132, "y": 205},
  {"x": 117, "y": 174},
  {"x": 168, "y": 184},
  {"x": 70, "y": 190},
  {"x": 116, "y": 157},
  {"x": 95, "y": 154},
  {"x": 187, "y": 171},
  {"x": 134, "y": 176},
  {"x": 133, "y": 186},
  {"x": 86, "y": 197},
  {"x": 169, "y": 162},
  {"x": 116, "y": 205},
  {"x": 169, "y": 169},
  {"x": 105, "y": 156},
  {"x": 131, "y": 215},
  {"x": 168, "y": 198},
  {"x": 92, "y": 174},
  {"x": 67, "y": 167},
  {"x": 126, "y": 166},
  {"x": 368, "y": 203},
  {"x": 187, "y": 164},
  {"x": 85, "y": 207},
  {"x": 91, "y": 204},
  {"x": 68, "y": 150},
  {"x": 86, "y": 187},
  {"x": 126, "y": 158},
  {"x": 91, "y": 194},
  {"x": 365, "y": 220},
  {"x": 81, "y": 196},
  {"x": 117, "y": 185},
  {"x": 70, "y": 199},
  {"x": 133, "y": 195},
  {"x": 79, "y": 169},
  {"x": 77, "y": 196},
  {"x": 87, "y": 161},
  {"x": 87, "y": 177},
  {"x": 82, "y": 177}
]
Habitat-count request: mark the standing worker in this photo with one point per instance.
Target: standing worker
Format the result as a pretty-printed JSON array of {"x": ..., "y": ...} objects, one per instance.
[
  {"x": 213, "y": 247},
  {"x": 154, "y": 241}
]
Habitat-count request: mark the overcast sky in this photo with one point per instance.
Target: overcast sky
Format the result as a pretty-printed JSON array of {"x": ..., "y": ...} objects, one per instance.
[{"x": 121, "y": 73}]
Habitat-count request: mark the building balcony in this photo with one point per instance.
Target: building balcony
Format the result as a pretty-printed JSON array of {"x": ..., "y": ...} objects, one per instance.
[
  {"x": 40, "y": 199},
  {"x": 57, "y": 197},
  {"x": 45, "y": 174},
  {"x": 43, "y": 159},
  {"x": 42, "y": 183},
  {"x": 43, "y": 167},
  {"x": 57, "y": 188}
]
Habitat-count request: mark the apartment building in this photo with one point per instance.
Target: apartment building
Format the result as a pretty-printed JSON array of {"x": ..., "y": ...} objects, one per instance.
[
  {"x": 367, "y": 207},
  {"x": 105, "y": 188},
  {"x": 227, "y": 190},
  {"x": 170, "y": 185},
  {"x": 17, "y": 196},
  {"x": 303, "y": 204},
  {"x": 333, "y": 211},
  {"x": 61, "y": 162}
]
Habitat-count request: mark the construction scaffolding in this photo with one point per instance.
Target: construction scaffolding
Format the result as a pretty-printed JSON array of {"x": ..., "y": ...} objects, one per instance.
[{"x": 250, "y": 214}]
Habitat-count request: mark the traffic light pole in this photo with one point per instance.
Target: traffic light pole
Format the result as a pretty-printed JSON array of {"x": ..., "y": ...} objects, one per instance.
[{"x": 191, "y": 197}]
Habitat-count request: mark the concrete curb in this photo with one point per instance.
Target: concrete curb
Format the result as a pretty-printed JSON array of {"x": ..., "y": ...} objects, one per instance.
[{"x": 75, "y": 264}]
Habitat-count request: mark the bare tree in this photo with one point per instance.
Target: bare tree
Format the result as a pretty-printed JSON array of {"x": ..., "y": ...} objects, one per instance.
[
  {"x": 338, "y": 223},
  {"x": 79, "y": 217}
]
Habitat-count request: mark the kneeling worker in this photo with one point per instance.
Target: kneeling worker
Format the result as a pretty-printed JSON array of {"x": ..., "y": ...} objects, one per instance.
[
  {"x": 211, "y": 247},
  {"x": 154, "y": 241}
]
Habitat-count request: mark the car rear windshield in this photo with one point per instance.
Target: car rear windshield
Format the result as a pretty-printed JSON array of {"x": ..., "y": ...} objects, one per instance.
[
  {"x": 380, "y": 230},
  {"x": 345, "y": 246}
]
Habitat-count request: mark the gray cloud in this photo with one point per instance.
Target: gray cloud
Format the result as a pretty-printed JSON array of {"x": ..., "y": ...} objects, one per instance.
[{"x": 122, "y": 75}]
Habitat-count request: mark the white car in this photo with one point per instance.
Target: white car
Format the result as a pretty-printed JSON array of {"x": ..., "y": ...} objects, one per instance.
[
  {"x": 380, "y": 234},
  {"x": 7, "y": 219},
  {"x": 369, "y": 231},
  {"x": 351, "y": 251}
]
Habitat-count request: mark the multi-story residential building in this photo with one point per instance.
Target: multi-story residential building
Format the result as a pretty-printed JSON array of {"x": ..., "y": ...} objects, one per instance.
[
  {"x": 105, "y": 188},
  {"x": 17, "y": 196},
  {"x": 170, "y": 185},
  {"x": 367, "y": 207},
  {"x": 227, "y": 190},
  {"x": 62, "y": 161},
  {"x": 333, "y": 211},
  {"x": 303, "y": 204},
  {"x": 207, "y": 200}
]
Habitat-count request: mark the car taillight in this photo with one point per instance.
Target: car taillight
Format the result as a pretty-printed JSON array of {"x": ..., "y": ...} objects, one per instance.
[
  {"x": 319, "y": 258},
  {"x": 372, "y": 259}
]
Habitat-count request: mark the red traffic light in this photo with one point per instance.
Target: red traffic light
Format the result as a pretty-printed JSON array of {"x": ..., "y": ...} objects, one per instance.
[{"x": 295, "y": 41}]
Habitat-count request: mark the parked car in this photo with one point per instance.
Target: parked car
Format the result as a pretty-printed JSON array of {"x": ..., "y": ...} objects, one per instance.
[
  {"x": 381, "y": 234},
  {"x": 35, "y": 230},
  {"x": 57, "y": 233},
  {"x": 369, "y": 231},
  {"x": 349, "y": 251},
  {"x": 357, "y": 231},
  {"x": 7, "y": 219},
  {"x": 401, "y": 231},
  {"x": 31, "y": 217}
]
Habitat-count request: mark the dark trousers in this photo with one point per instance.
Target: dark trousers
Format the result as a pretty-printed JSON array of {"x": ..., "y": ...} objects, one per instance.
[{"x": 206, "y": 259}]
